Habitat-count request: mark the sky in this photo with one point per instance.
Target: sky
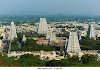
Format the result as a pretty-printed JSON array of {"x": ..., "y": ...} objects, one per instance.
[{"x": 49, "y": 7}]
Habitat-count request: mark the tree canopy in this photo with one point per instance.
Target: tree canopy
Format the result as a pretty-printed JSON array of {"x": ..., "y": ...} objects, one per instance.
[{"x": 90, "y": 44}]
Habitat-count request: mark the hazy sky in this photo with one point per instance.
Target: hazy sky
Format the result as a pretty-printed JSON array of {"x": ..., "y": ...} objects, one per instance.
[{"x": 48, "y": 7}]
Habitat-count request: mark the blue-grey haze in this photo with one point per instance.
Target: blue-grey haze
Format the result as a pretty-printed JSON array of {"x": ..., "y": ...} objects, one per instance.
[{"x": 49, "y": 7}]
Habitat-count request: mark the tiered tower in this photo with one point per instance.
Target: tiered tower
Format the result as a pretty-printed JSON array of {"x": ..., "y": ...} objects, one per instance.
[
  {"x": 91, "y": 31},
  {"x": 51, "y": 35},
  {"x": 43, "y": 27},
  {"x": 72, "y": 44},
  {"x": 12, "y": 33}
]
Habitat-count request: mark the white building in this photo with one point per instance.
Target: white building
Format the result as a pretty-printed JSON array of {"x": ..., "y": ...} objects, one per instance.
[
  {"x": 12, "y": 33},
  {"x": 51, "y": 35},
  {"x": 72, "y": 44},
  {"x": 91, "y": 31},
  {"x": 43, "y": 27}
]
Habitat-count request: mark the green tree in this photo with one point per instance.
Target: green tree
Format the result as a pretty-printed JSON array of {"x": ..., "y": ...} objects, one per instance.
[
  {"x": 20, "y": 36},
  {"x": 88, "y": 58},
  {"x": 53, "y": 63},
  {"x": 90, "y": 44},
  {"x": 1, "y": 37},
  {"x": 30, "y": 60}
]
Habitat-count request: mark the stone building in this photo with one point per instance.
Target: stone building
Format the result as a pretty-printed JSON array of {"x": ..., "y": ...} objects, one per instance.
[
  {"x": 12, "y": 33},
  {"x": 43, "y": 27},
  {"x": 72, "y": 44},
  {"x": 91, "y": 31}
]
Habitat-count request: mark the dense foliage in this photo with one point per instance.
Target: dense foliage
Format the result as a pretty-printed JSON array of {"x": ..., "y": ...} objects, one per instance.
[
  {"x": 1, "y": 37},
  {"x": 33, "y": 34},
  {"x": 31, "y": 45},
  {"x": 24, "y": 61},
  {"x": 90, "y": 44},
  {"x": 85, "y": 60},
  {"x": 88, "y": 58},
  {"x": 29, "y": 60}
]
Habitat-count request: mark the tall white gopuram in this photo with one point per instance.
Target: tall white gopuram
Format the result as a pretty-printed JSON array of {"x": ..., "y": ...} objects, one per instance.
[
  {"x": 72, "y": 44},
  {"x": 43, "y": 27},
  {"x": 12, "y": 33},
  {"x": 91, "y": 31},
  {"x": 51, "y": 35}
]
